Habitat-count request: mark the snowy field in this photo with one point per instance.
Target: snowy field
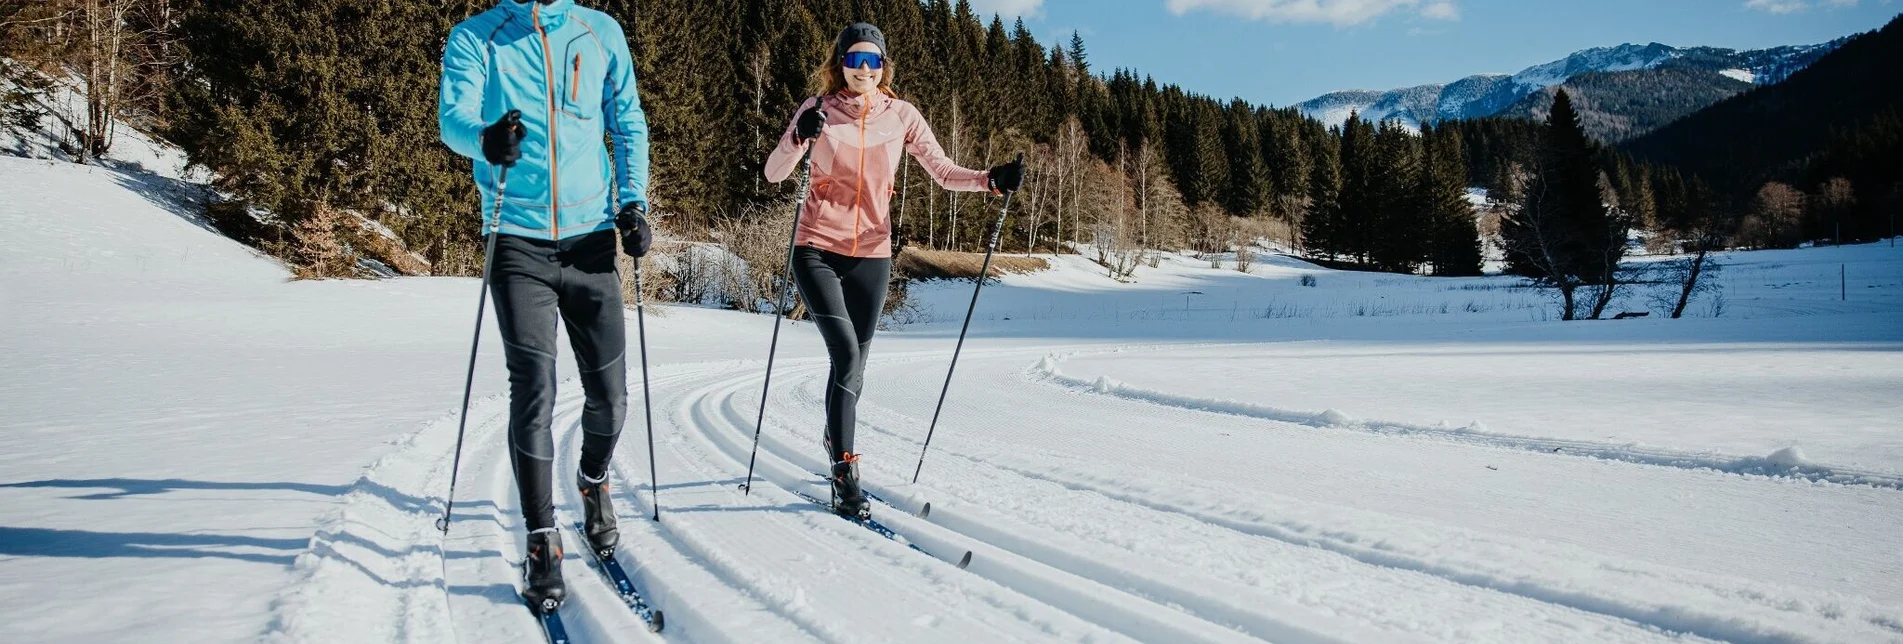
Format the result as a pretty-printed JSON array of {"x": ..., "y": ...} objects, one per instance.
[{"x": 196, "y": 449}]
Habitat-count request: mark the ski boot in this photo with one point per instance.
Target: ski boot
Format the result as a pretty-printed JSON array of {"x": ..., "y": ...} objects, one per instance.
[
  {"x": 599, "y": 528},
  {"x": 542, "y": 569},
  {"x": 848, "y": 500}
]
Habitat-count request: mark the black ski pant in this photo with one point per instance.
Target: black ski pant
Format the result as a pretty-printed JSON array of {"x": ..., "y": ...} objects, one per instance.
[
  {"x": 843, "y": 295},
  {"x": 534, "y": 282}
]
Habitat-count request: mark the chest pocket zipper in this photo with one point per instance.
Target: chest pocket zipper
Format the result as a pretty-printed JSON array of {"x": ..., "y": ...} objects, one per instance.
[{"x": 574, "y": 81}]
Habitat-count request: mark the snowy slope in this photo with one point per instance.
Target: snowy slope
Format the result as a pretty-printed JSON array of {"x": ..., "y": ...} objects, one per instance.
[
  {"x": 199, "y": 450},
  {"x": 1489, "y": 94}
]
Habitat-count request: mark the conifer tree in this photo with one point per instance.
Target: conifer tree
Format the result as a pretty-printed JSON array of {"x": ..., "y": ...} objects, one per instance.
[
  {"x": 1564, "y": 234},
  {"x": 1321, "y": 223},
  {"x": 1248, "y": 191}
]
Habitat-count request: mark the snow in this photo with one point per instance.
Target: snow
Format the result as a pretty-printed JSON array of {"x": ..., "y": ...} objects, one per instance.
[
  {"x": 1741, "y": 75},
  {"x": 198, "y": 449}
]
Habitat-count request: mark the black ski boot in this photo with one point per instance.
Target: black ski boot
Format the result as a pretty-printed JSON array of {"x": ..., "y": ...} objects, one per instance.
[
  {"x": 542, "y": 568},
  {"x": 599, "y": 527},
  {"x": 848, "y": 500}
]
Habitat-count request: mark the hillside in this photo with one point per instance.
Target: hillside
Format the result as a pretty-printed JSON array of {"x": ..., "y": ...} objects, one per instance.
[
  {"x": 1614, "y": 106},
  {"x": 1775, "y": 131}
]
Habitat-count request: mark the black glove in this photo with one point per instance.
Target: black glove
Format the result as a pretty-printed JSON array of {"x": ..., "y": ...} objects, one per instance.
[
  {"x": 1008, "y": 177},
  {"x": 810, "y": 122},
  {"x": 502, "y": 140},
  {"x": 632, "y": 221}
]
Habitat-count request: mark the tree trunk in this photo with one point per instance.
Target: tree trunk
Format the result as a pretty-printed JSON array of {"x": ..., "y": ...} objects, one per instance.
[
  {"x": 1030, "y": 232},
  {"x": 951, "y": 200},
  {"x": 1691, "y": 284}
]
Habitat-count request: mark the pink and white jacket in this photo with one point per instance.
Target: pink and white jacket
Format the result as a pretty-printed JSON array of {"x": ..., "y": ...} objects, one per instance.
[{"x": 855, "y": 160}]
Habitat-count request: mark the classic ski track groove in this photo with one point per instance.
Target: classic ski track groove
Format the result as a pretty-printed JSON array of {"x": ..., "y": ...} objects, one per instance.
[
  {"x": 1142, "y": 617},
  {"x": 592, "y": 611},
  {"x": 1047, "y": 374},
  {"x": 1689, "y": 620},
  {"x": 820, "y": 534},
  {"x": 694, "y": 415},
  {"x": 1205, "y": 600}
]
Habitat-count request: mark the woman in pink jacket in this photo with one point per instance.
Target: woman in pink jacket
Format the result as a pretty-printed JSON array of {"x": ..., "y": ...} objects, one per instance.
[{"x": 842, "y": 258}]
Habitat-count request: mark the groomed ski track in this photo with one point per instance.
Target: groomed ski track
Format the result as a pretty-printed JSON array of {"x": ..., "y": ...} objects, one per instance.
[{"x": 1087, "y": 519}]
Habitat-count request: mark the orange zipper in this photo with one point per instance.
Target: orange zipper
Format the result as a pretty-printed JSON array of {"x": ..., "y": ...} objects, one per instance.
[
  {"x": 859, "y": 199},
  {"x": 554, "y": 174},
  {"x": 574, "y": 81}
]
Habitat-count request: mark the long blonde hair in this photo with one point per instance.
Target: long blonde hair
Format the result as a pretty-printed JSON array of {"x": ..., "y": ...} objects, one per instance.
[{"x": 830, "y": 77}]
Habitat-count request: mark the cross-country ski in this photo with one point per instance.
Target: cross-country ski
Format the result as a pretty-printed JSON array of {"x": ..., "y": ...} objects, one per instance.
[{"x": 612, "y": 572}]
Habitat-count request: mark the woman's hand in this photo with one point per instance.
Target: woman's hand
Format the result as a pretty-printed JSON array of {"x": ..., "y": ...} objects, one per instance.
[
  {"x": 1008, "y": 177},
  {"x": 810, "y": 122}
]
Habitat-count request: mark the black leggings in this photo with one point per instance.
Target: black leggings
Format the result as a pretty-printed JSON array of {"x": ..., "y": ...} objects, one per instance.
[
  {"x": 534, "y": 282},
  {"x": 844, "y": 296}
]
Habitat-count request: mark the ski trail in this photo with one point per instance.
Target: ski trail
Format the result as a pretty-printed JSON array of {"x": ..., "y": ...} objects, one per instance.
[
  {"x": 376, "y": 561},
  {"x": 1048, "y": 371},
  {"x": 1217, "y": 575},
  {"x": 1069, "y": 546},
  {"x": 1095, "y": 597},
  {"x": 1727, "y": 609},
  {"x": 1659, "y": 597},
  {"x": 805, "y": 572}
]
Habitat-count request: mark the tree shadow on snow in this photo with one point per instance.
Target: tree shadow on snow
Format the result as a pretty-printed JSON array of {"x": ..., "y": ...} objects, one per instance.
[
  {"x": 183, "y": 199},
  {"x": 122, "y": 488},
  {"x": 135, "y": 487},
  {"x": 47, "y": 542}
]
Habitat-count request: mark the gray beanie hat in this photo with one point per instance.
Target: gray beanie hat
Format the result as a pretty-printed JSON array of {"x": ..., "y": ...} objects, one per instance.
[{"x": 857, "y": 33}]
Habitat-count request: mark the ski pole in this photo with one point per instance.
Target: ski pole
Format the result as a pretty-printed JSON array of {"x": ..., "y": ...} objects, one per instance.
[
  {"x": 647, "y": 399},
  {"x": 482, "y": 302},
  {"x": 779, "y": 312},
  {"x": 990, "y": 246}
]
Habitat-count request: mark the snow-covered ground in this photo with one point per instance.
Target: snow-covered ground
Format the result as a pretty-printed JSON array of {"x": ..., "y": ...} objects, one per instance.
[{"x": 196, "y": 449}]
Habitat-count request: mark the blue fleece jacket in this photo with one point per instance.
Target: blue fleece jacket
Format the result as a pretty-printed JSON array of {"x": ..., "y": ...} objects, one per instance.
[{"x": 568, "y": 70}]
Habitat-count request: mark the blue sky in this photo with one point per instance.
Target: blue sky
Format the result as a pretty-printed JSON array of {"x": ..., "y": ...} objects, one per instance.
[{"x": 1286, "y": 51}]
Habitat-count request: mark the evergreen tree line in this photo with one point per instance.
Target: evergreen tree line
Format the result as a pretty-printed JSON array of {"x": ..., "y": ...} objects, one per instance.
[
  {"x": 1393, "y": 201},
  {"x": 321, "y": 113}
]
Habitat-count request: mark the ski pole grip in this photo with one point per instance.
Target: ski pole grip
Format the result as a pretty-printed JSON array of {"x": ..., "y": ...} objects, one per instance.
[{"x": 1020, "y": 163}]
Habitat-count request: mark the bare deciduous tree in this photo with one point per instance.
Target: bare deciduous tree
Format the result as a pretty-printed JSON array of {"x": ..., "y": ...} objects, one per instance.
[
  {"x": 1545, "y": 237},
  {"x": 1776, "y": 215},
  {"x": 1611, "y": 246},
  {"x": 119, "y": 51},
  {"x": 1835, "y": 197}
]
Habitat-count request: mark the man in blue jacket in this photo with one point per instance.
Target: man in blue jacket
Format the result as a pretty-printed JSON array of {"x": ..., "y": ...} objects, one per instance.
[{"x": 532, "y": 86}]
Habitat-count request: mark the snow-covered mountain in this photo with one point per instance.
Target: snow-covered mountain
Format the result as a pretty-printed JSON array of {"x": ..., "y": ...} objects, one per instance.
[{"x": 1490, "y": 94}]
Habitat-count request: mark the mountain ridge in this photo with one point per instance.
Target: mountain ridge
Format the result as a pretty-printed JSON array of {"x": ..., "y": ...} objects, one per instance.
[{"x": 1704, "y": 74}]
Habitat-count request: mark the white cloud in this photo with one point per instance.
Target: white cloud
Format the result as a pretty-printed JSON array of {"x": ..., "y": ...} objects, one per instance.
[
  {"x": 1781, "y": 7},
  {"x": 1446, "y": 11},
  {"x": 1007, "y": 8},
  {"x": 1341, "y": 13},
  {"x": 1777, "y": 6}
]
